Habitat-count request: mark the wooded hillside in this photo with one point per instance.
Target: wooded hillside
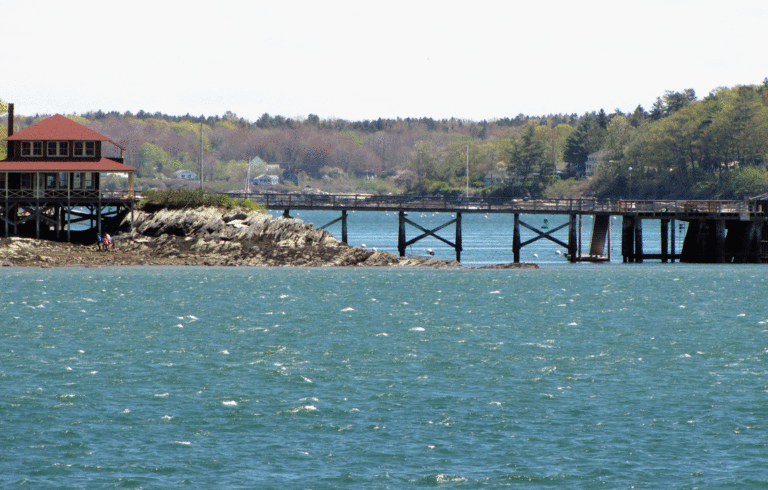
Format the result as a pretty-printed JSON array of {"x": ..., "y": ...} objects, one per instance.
[{"x": 682, "y": 148}]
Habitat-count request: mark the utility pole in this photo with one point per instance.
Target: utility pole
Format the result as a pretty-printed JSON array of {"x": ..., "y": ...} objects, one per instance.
[{"x": 201, "y": 151}]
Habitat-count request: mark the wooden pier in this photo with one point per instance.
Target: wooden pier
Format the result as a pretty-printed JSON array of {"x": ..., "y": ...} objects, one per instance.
[
  {"x": 717, "y": 231},
  {"x": 55, "y": 217}
]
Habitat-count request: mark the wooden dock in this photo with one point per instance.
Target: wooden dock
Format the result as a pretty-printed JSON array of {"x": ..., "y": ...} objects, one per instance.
[
  {"x": 717, "y": 231},
  {"x": 50, "y": 215}
]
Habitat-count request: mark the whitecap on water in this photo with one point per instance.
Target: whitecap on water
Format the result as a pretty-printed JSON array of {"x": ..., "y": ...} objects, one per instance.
[
  {"x": 348, "y": 308},
  {"x": 229, "y": 403},
  {"x": 417, "y": 329},
  {"x": 304, "y": 408},
  {"x": 185, "y": 443},
  {"x": 742, "y": 314},
  {"x": 167, "y": 417},
  {"x": 495, "y": 292},
  {"x": 442, "y": 479},
  {"x": 162, "y": 394}
]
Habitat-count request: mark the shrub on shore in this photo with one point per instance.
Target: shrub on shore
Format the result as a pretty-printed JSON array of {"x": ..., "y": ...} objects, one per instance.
[{"x": 192, "y": 198}]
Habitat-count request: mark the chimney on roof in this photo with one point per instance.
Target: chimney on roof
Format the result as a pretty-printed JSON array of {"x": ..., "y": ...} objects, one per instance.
[{"x": 10, "y": 120}]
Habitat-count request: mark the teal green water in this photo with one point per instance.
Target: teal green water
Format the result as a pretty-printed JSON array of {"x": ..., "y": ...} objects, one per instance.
[{"x": 574, "y": 377}]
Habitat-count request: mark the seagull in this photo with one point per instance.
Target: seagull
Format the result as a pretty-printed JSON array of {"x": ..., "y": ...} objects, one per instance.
[{"x": 558, "y": 252}]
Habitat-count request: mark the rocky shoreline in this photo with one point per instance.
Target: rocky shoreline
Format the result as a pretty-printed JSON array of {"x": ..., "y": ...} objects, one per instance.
[{"x": 211, "y": 237}]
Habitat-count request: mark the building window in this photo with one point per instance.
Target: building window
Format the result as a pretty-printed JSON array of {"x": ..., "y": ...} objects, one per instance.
[
  {"x": 85, "y": 148},
  {"x": 26, "y": 181},
  {"x": 50, "y": 181},
  {"x": 63, "y": 180},
  {"x": 58, "y": 148},
  {"x": 89, "y": 180},
  {"x": 31, "y": 148},
  {"x": 77, "y": 182}
]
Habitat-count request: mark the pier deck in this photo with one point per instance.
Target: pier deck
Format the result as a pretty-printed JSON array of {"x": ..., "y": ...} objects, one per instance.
[{"x": 648, "y": 209}]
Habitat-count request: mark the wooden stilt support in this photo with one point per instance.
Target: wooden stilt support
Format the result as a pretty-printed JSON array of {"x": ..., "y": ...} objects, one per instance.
[
  {"x": 98, "y": 214},
  {"x": 343, "y": 220},
  {"x": 458, "y": 237},
  {"x": 69, "y": 220},
  {"x": 581, "y": 232},
  {"x": 573, "y": 251},
  {"x": 401, "y": 234},
  {"x": 719, "y": 241},
  {"x": 287, "y": 213},
  {"x": 516, "y": 239},
  {"x": 628, "y": 239},
  {"x": 664, "y": 240},
  {"x": 344, "y": 227},
  {"x": 672, "y": 241},
  {"x": 639, "y": 240}
]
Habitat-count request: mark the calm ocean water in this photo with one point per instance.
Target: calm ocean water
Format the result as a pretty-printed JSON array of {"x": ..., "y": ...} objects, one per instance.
[{"x": 570, "y": 376}]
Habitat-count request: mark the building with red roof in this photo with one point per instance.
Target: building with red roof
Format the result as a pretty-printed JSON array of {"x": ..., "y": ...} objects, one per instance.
[{"x": 52, "y": 176}]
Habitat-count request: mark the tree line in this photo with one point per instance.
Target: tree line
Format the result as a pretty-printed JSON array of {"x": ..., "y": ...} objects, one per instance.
[{"x": 682, "y": 147}]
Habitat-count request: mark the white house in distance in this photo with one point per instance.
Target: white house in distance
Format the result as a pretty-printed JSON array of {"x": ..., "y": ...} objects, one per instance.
[
  {"x": 593, "y": 160},
  {"x": 495, "y": 178},
  {"x": 185, "y": 175},
  {"x": 266, "y": 180}
]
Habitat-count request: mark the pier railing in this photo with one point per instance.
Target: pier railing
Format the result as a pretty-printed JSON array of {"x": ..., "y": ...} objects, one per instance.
[
  {"x": 64, "y": 194},
  {"x": 406, "y": 202}
]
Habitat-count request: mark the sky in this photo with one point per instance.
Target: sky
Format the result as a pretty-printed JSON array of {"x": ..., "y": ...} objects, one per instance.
[{"x": 360, "y": 59}]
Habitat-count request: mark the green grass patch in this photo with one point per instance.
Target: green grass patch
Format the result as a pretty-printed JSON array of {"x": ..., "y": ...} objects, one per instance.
[{"x": 193, "y": 198}]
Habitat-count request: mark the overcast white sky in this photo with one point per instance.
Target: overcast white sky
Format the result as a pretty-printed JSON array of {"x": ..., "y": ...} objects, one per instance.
[{"x": 362, "y": 59}]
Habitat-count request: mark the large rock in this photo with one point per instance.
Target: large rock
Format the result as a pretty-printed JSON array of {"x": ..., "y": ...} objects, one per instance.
[{"x": 213, "y": 237}]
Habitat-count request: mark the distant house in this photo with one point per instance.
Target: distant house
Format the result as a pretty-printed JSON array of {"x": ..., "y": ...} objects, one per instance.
[
  {"x": 266, "y": 180},
  {"x": 593, "y": 161},
  {"x": 185, "y": 175},
  {"x": 495, "y": 178}
]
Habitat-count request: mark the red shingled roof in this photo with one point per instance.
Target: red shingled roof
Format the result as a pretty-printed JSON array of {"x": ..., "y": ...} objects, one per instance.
[
  {"x": 103, "y": 165},
  {"x": 57, "y": 127}
]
